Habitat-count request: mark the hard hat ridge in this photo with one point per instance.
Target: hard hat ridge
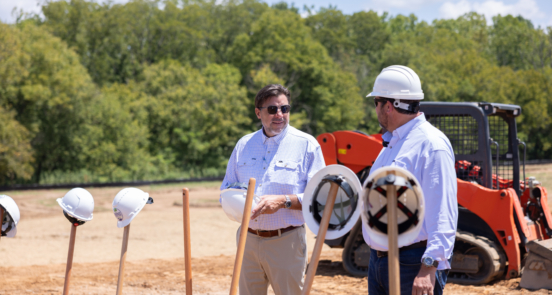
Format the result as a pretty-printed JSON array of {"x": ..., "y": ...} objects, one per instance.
[
  {"x": 233, "y": 202},
  {"x": 128, "y": 203},
  {"x": 78, "y": 203},
  {"x": 399, "y": 83}
]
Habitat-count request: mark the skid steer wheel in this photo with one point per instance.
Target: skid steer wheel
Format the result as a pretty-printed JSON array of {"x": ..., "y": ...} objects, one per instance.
[
  {"x": 356, "y": 253},
  {"x": 476, "y": 260}
]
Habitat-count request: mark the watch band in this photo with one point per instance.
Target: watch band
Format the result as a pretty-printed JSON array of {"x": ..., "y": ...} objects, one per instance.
[
  {"x": 429, "y": 262},
  {"x": 287, "y": 204}
]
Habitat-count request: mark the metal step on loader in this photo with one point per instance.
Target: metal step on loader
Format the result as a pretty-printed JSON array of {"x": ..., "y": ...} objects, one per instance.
[{"x": 504, "y": 223}]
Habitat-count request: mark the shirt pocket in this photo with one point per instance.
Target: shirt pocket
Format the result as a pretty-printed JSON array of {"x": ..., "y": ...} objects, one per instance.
[
  {"x": 246, "y": 169},
  {"x": 288, "y": 165},
  {"x": 286, "y": 172},
  {"x": 401, "y": 164}
]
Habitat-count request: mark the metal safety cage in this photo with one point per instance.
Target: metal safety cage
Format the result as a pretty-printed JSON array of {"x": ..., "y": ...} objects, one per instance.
[{"x": 476, "y": 132}]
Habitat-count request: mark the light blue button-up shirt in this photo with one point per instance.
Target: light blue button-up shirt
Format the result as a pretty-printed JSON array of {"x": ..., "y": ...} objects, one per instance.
[
  {"x": 426, "y": 152},
  {"x": 282, "y": 164}
]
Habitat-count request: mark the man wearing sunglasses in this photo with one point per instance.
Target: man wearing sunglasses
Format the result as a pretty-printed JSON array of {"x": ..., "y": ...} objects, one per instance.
[
  {"x": 412, "y": 143},
  {"x": 282, "y": 159}
]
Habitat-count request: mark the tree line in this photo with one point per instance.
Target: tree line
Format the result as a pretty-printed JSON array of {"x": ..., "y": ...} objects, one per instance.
[{"x": 153, "y": 90}]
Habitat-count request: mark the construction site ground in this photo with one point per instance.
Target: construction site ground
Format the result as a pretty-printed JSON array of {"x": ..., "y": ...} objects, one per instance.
[{"x": 34, "y": 261}]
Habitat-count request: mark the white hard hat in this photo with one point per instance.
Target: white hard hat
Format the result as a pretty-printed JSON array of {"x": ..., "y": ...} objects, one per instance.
[
  {"x": 128, "y": 203},
  {"x": 11, "y": 216},
  {"x": 78, "y": 203},
  {"x": 398, "y": 82},
  {"x": 346, "y": 208},
  {"x": 410, "y": 205},
  {"x": 233, "y": 202}
]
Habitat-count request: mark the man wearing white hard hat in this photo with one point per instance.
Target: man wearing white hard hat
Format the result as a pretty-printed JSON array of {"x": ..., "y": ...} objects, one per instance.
[
  {"x": 412, "y": 143},
  {"x": 282, "y": 159}
]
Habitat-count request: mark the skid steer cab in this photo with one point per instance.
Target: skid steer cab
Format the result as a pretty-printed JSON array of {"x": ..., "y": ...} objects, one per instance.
[{"x": 501, "y": 212}]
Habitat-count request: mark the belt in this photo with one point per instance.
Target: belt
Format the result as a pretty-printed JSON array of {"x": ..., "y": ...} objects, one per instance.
[
  {"x": 420, "y": 244},
  {"x": 271, "y": 233}
]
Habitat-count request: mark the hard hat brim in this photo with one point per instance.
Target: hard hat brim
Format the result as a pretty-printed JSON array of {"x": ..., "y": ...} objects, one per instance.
[
  {"x": 416, "y": 96},
  {"x": 66, "y": 210},
  {"x": 308, "y": 196}
]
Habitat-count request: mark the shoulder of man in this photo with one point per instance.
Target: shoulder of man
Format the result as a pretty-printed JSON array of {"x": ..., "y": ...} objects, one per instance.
[
  {"x": 246, "y": 138},
  {"x": 434, "y": 138},
  {"x": 300, "y": 135}
]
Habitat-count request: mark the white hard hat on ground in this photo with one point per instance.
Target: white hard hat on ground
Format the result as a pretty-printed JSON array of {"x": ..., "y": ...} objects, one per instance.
[
  {"x": 78, "y": 203},
  {"x": 233, "y": 202},
  {"x": 399, "y": 83},
  {"x": 410, "y": 205},
  {"x": 346, "y": 209},
  {"x": 11, "y": 216},
  {"x": 128, "y": 203}
]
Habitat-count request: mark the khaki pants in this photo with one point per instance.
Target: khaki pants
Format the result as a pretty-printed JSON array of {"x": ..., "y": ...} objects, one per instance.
[{"x": 280, "y": 261}]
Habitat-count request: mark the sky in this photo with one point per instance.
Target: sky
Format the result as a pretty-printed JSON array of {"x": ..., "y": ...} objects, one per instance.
[{"x": 538, "y": 11}]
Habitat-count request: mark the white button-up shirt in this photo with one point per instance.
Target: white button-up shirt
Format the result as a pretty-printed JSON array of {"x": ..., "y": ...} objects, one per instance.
[
  {"x": 281, "y": 165},
  {"x": 426, "y": 152}
]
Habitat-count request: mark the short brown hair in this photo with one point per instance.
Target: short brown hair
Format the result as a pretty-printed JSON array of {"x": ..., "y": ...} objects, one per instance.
[{"x": 269, "y": 91}]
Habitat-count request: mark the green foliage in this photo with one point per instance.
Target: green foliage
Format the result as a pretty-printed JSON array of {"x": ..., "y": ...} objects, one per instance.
[
  {"x": 195, "y": 117},
  {"x": 151, "y": 90}
]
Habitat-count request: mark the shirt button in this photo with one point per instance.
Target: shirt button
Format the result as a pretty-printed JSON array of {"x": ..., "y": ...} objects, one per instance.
[
  {"x": 264, "y": 167},
  {"x": 260, "y": 185},
  {"x": 268, "y": 152}
]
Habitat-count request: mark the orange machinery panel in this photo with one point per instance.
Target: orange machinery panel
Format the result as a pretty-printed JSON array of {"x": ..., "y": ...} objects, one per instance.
[
  {"x": 328, "y": 146},
  {"x": 356, "y": 150},
  {"x": 496, "y": 208}
]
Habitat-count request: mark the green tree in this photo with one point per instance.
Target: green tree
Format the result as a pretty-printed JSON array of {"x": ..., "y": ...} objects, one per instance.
[
  {"x": 195, "y": 117},
  {"x": 320, "y": 90}
]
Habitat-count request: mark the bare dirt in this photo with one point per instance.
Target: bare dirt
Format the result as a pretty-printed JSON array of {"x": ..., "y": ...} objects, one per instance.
[{"x": 34, "y": 261}]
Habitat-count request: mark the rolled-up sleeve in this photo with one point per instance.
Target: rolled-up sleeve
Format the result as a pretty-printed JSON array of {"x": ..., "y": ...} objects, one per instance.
[{"x": 441, "y": 214}]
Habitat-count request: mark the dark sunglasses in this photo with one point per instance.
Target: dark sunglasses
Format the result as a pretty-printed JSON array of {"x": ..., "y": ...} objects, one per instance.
[
  {"x": 376, "y": 100},
  {"x": 274, "y": 109}
]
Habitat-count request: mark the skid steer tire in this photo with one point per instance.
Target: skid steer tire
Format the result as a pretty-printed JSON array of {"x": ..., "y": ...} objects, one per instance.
[
  {"x": 490, "y": 259},
  {"x": 356, "y": 253}
]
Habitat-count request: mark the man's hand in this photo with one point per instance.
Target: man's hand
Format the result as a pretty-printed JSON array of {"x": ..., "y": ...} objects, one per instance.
[
  {"x": 424, "y": 281},
  {"x": 269, "y": 204}
]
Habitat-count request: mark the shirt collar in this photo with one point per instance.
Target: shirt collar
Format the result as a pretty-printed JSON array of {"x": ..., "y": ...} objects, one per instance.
[
  {"x": 404, "y": 129},
  {"x": 277, "y": 139}
]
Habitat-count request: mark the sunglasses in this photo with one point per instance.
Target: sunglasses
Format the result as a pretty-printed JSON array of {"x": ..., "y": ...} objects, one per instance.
[
  {"x": 274, "y": 109},
  {"x": 376, "y": 100}
]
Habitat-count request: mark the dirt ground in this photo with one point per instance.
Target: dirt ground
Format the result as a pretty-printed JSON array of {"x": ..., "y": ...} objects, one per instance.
[{"x": 34, "y": 261}]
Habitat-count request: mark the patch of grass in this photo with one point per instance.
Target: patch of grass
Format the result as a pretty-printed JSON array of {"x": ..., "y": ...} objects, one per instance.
[{"x": 543, "y": 173}]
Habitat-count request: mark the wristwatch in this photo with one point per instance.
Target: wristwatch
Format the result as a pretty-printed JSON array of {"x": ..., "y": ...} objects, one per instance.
[
  {"x": 287, "y": 204},
  {"x": 429, "y": 262}
]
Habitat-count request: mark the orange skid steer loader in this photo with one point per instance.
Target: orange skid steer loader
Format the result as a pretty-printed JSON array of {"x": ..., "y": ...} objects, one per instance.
[{"x": 503, "y": 223}]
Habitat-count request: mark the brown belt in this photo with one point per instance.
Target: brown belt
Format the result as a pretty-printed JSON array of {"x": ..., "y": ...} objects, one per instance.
[
  {"x": 271, "y": 233},
  {"x": 420, "y": 244}
]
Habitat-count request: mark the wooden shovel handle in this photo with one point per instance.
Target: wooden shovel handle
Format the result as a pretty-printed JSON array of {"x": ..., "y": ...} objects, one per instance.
[
  {"x": 313, "y": 265},
  {"x": 187, "y": 242},
  {"x": 243, "y": 236},
  {"x": 69, "y": 260},
  {"x": 122, "y": 261}
]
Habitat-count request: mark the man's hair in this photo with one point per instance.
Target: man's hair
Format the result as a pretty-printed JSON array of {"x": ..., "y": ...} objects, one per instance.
[
  {"x": 269, "y": 91},
  {"x": 402, "y": 111}
]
